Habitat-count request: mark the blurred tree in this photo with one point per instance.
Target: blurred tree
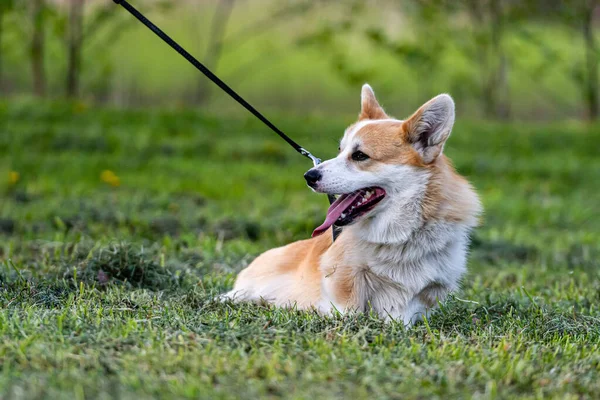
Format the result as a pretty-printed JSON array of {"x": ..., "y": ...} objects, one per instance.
[
  {"x": 432, "y": 28},
  {"x": 104, "y": 25},
  {"x": 283, "y": 15},
  {"x": 37, "y": 47},
  {"x": 576, "y": 15},
  {"x": 423, "y": 49},
  {"x": 488, "y": 21},
  {"x": 218, "y": 41},
  {"x": 74, "y": 44},
  {"x": 585, "y": 12},
  {"x": 5, "y": 7},
  {"x": 481, "y": 40},
  {"x": 331, "y": 37},
  {"x": 476, "y": 29},
  {"x": 215, "y": 46}
]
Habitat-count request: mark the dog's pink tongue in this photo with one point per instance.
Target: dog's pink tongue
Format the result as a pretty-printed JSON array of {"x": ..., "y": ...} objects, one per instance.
[{"x": 335, "y": 210}]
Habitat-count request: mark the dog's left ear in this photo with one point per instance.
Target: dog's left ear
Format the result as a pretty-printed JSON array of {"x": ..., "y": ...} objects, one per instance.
[
  {"x": 369, "y": 106},
  {"x": 429, "y": 127}
]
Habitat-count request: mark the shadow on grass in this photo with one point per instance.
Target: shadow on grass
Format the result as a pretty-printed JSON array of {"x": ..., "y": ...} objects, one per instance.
[{"x": 499, "y": 252}]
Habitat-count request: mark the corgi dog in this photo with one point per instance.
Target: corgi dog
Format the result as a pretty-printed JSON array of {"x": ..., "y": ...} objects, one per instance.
[{"x": 406, "y": 216}]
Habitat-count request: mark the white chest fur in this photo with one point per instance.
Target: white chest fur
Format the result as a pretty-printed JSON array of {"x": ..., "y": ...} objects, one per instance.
[{"x": 391, "y": 278}]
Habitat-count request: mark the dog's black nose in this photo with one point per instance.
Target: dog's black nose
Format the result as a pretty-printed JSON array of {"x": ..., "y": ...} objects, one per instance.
[{"x": 312, "y": 177}]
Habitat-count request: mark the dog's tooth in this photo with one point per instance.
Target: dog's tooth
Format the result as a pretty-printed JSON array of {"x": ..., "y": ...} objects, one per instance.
[{"x": 343, "y": 215}]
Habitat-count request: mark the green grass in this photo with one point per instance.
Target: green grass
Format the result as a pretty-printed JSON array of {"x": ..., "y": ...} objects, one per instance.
[{"x": 105, "y": 291}]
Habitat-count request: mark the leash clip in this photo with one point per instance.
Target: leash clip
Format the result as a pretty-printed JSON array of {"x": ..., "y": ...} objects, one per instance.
[
  {"x": 336, "y": 230},
  {"x": 316, "y": 161}
]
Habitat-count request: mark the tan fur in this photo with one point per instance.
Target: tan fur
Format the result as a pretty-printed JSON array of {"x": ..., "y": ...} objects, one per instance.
[
  {"x": 299, "y": 259},
  {"x": 449, "y": 196},
  {"x": 387, "y": 143},
  {"x": 343, "y": 282}
]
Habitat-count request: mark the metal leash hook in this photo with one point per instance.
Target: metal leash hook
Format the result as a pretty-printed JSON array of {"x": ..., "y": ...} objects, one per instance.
[
  {"x": 316, "y": 161},
  {"x": 335, "y": 230},
  {"x": 217, "y": 81}
]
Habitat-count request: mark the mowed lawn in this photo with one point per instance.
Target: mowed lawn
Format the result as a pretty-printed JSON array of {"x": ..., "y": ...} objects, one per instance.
[{"x": 118, "y": 228}]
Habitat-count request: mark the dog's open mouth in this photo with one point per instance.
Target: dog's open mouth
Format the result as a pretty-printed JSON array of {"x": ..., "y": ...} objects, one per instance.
[{"x": 350, "y": 206}]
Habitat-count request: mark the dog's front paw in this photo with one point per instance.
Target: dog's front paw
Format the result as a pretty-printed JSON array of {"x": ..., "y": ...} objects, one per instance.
[{"x": 231, "y": 296}]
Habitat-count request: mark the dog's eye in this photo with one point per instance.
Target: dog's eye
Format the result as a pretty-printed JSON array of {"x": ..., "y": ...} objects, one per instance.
[{"x": 359, "y": 156}]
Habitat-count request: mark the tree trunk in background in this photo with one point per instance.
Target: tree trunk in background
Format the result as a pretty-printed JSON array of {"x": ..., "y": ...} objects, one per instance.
[
  {"x": 488, "y": 22},
  {"x": 37, "y": 48},
  {"x": 74, "y": 44},
  {"x": 1, "y": 60},
  {"x": 479, "y": 24},
  {"x": 591, "y": 53},
  {"x": 499, "y": 71},
  {"x": 215, "y": 46}
]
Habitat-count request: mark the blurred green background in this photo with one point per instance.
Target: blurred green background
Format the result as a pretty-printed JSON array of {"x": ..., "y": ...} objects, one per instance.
[{"x": 501, "y": 59}]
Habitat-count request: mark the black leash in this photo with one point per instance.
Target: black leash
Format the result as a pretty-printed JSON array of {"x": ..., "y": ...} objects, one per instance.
[{"x": 215, "y": 79}]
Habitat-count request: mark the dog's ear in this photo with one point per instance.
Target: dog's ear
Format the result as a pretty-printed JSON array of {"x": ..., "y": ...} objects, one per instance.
[
  {"x": 369, "y": 107},
  {"x": 429, "y": 127}
]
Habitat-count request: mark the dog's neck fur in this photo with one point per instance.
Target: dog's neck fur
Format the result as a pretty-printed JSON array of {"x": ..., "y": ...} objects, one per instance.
[
  {"x": 400, "y": 218},
  {"x": 422, "y": 205},
  {"x": 419, "y": 239}
]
